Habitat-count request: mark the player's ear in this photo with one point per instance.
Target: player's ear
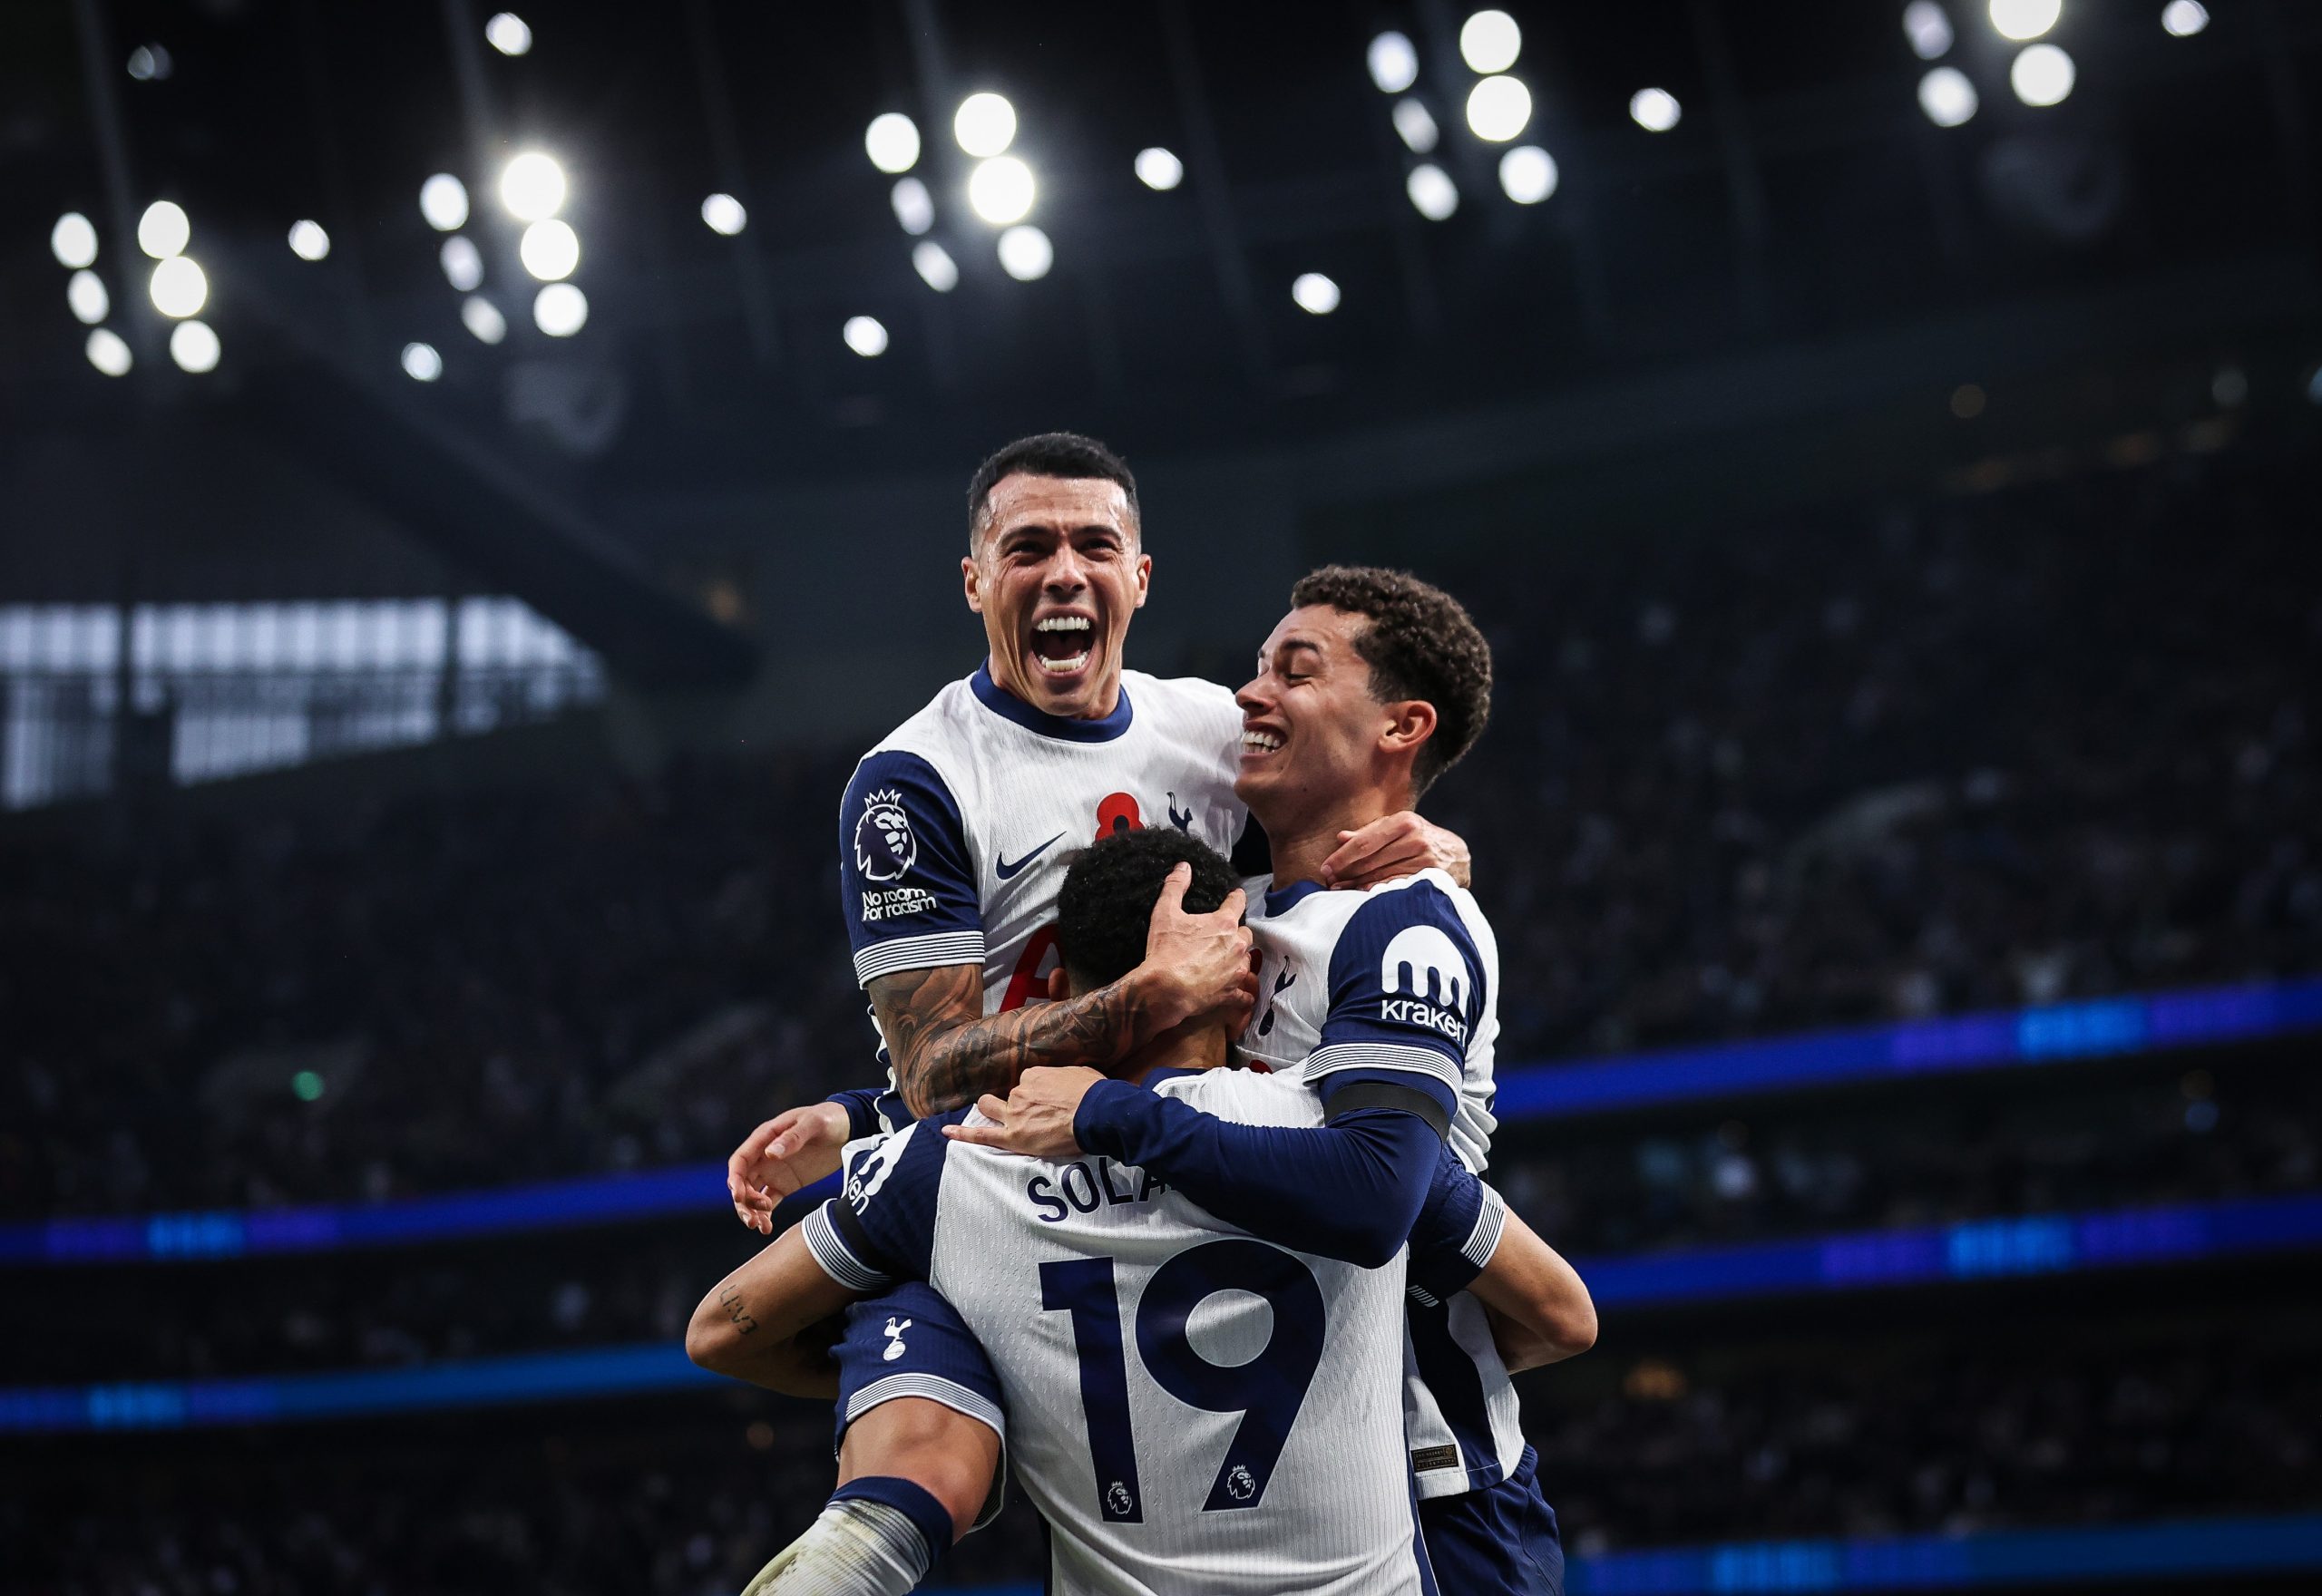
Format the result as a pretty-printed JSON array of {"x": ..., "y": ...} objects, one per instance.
[
  {"x": 1144, "y": 576},
  {"x": 1408, "y": 724},
  {"x": 1059, "y": 983},
  {"x": 967, "y": 579}
]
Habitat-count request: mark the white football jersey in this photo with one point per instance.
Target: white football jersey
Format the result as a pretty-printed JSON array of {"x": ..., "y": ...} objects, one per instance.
[
  {"x": 1404, "y": 976},
  {"x": 956, "y": 831},
  {"x": 1189, "y": 1408}
]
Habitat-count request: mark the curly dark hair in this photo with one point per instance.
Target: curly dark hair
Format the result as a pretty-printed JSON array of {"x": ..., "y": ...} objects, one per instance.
[
  {"x": 1106, "y": 905},
  {"x": 1048, "y": 455},
  {"x": 1419, "y": 644}
]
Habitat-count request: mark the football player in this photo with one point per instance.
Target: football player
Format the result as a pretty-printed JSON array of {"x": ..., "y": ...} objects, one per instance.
[
  {"x": 1371, "y": 686},
  {"x": 1216, "y": 1461}
]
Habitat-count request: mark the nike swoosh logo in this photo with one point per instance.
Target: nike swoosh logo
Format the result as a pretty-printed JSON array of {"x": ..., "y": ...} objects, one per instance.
[{"x": 1008, "y": 870}]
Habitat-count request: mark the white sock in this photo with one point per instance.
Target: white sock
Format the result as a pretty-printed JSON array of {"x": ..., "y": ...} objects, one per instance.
[{"x": 855, "y": 1548}]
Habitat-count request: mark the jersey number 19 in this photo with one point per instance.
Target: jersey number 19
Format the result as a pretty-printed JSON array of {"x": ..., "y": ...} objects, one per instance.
[{"x": 1267, "y": 1391}]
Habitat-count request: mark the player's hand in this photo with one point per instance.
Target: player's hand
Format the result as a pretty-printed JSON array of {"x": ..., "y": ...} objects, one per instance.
[
  {"x": 1399, "y": 844},
  {"x": 1037, "y": 1118},
  {"x": 788, "y": 1152},
  {"x": 1197, "y": 965}
]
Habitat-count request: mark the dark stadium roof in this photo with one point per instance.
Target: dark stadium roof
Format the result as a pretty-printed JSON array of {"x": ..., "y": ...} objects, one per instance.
[{"x": 1803, "y": 196}]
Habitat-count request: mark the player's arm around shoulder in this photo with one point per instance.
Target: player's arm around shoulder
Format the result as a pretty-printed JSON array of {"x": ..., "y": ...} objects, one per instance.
[
  {"x": 756, "y": 1324},
  {"x": 1468, "y": 1239},
  {"x": 1540, "y": 1309}
]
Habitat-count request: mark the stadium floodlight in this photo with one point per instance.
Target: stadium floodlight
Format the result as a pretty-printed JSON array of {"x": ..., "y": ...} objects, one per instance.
[
  {"x": 421, "y": 363},
  {"x": 985, "y": 124},
  {"x": 163, "y": 230},
  {"x": 1498, "y": 109},
  {"x": 532, "y": 186},
  {"x": 2184, "y": 18},
  {"x": 865, "y": 334},
  {"x": 481, "y": 317},
  {"x": 508, "y": 33},
  {"x": 2024, "y": 19},
  {"x": 1489, "y": 41},
  {"x": 560, "y": 310},
  {"x": 108, "y": 352},
  {"x": 1001, "y": 190},
  {"x": 1927, "y": 28},
  {"x": 1314, "y": 294},
  {"x": 914, "y": 206},
  {"x": 1158, "y": 168},
  {"x": 193, "y": 345},
  {"x": 178, "y": 288},
  {"x": 1415, "y": 126},
  {"x": 1528, "y": 174},
  {"x": 74, "y": 241},
  {"x": 87, "y": 296},
  {"x": 1433, "y": 193},
  {"x": 2042, "y": 74},
  {"x": 934, "y": 265},
  {"x": 443, "y": 201},
  {"x": 1394, "y": 64},
  {"x": 1655, "y": 111},
  {"x": 149, "y": 61},
  {"x": 308, "y": 241},
  {"x": 462, "y": 263},
  {"x": 892, "y": 141},
  {"x": 723, "y": 214},
  {"x": 1947, "y": 96},
  {"x": 1026, "y": 254},
  {"x": 550, "y": 249}
]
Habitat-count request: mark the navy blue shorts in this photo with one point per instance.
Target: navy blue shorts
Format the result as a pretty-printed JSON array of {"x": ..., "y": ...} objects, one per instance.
[
  {"x": 910, "y": 1342},
  {"x": 1501, "y": 1539}
]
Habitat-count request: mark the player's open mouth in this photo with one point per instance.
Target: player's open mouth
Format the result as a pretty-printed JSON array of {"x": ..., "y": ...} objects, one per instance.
[
  {"x": 1260, "y": 743},
  {"x": 1062, "y": 645}
]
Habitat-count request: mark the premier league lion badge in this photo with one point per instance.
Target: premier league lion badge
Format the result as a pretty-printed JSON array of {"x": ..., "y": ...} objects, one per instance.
[{"x": 885, "y": 848}]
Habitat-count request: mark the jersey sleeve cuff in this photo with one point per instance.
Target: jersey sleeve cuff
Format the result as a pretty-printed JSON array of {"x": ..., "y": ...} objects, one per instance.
[
  {"x": 1367, "y": 1057},
  {"x": 1099, "y": 1125},
  {"x": 839, "y": 1261},
  {"x": 928, "y": 952},
  {"x": 1483, "y": 1241}
]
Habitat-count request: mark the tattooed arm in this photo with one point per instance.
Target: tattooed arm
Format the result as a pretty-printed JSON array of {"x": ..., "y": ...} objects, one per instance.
[
  {"x": 947, "y": 1052},
  {"x": 765, "y": 1322}
]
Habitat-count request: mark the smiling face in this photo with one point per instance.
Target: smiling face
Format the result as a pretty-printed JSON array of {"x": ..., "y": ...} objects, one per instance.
[
  {"x": 1314, "y": 741},
  {"x": 1056, "y": 572}
]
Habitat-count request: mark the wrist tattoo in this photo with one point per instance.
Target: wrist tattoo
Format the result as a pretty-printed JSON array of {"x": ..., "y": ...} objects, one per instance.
[
  {"x": 944, "y": 1059},
  {"x": 729, "y": 1298}
]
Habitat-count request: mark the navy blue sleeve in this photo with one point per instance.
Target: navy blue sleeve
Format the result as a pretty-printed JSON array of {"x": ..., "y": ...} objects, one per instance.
[
  {"x": 881, "y": 1227},
  {"x": 907, "y": 884},
  {"x": 1458, "y": 1226},
  {"x": 1406, "y": 996},
  {"x": 866, "y": 1110},
  {"x": 1349, "y": 1190}
]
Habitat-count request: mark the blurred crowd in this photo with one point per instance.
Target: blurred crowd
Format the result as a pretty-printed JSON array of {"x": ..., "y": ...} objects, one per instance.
[
  {"x": 1995, "y": 1426},
  {"x": 2242, "y": 1127},
  {"x": 1972, "y": 753},
  {"x": 2067, "y": 1425},
  {"x": 689, "y": 1502},
  {"x": 1981, "y": 752}
]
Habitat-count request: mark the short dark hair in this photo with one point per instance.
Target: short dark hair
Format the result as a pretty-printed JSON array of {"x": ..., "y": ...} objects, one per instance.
[
  {"x": 1106, "y": 905},
  {"x": 1048, "y": 455},
  {"x": 1421, "y": 644}
]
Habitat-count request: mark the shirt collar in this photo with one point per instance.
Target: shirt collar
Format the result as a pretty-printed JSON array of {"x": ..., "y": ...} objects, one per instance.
[
  {"x": 1281, "y": 900},
  {"x": 1007, "y": 706}
]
